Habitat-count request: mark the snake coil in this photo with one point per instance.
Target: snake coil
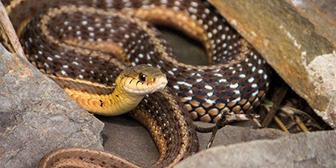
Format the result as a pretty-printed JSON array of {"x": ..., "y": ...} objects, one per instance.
[{"x": 91, "y": 42}]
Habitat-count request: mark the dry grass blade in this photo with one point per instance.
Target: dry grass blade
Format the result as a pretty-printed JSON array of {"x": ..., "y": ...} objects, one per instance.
[{"x": 8, "y": 33}]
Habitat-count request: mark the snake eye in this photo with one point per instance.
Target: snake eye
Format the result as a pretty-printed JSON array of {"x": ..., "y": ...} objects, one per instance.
[{"x": 142, "y": 77}]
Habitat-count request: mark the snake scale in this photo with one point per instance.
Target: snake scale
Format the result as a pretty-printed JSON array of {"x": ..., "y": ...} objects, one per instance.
[{"x": 84, "y": 45}]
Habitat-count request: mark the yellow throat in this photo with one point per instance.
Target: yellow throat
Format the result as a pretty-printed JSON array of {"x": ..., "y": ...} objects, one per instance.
[{"x": 130, "y": 88}]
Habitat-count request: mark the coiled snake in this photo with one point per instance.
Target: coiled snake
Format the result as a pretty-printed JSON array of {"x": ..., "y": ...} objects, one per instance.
[{"x": 84, "y": 45}]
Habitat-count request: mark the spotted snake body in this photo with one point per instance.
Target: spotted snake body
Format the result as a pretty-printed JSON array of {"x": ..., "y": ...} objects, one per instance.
[{"x": 90, "y": 41}]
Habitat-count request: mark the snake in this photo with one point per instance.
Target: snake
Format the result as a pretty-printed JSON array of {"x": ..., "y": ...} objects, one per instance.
[{"x": 100, "y": 50}]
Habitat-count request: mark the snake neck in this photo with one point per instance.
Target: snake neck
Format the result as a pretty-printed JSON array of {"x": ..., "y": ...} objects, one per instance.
[
  {"x": 114, "y": 103},
  {"x": 123, "y": 101}
]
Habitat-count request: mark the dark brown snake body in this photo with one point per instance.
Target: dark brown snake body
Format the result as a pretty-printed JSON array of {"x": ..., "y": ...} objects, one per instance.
[{"x": 94, "y": 40}]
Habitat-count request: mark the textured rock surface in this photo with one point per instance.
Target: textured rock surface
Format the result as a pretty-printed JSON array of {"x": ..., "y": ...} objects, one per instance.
[
  {"x": 291, "y": 46},
  {"x": 321, "y": 13},
  {"x": 126, "y": 138},
  {"x": 234, "y": 134},
  {"x": 36, "y": 116},
  {"x": 121, "y": 135},
  {"x": 300, "y": 150}
]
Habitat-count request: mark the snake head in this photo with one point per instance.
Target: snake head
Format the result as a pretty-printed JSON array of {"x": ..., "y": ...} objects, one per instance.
[{"x": 141, "y": 80}]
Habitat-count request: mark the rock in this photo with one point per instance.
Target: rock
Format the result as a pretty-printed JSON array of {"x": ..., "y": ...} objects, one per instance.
[
  {"x": 233, "y": 134},
  {"x": 301, "y": 150},
  {"x": 123, "y": 132},
  {"x": 128, "y": 139},
  {"x": 183, "y": 46},
  {"x": 290, "y": 44},
  {"x": 321, "y": 13},
  {"x": 36, "y": 116}
]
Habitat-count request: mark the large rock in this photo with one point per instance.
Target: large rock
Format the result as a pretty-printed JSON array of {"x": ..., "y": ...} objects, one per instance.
[
  {"x": 321, "y": 13},
  {"x": 301, "y": 150},
  {"x": 123, "y": 132},
  {"x": 36, "y": 116},
  {"x": 234, "y": 134},
  {"x": 301, "y": 56},
  {"x": 128, "y": 139}
]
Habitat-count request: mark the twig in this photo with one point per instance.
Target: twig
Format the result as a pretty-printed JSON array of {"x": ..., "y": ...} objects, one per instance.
[
  {"x": 301, "y": 124},
  {"x": 277, "y": 98},
  {"x": 9, "y": 32},
  {"x": 280, "y": 124}
]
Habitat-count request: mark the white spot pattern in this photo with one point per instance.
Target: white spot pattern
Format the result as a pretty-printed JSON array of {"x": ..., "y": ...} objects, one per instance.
[{"x": 224, "y": 47}]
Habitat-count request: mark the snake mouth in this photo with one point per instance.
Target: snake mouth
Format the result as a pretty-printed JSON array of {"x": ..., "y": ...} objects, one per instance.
[
  {"x": 141, "y": 80},
  {"x": 162, "y": 84},
  {"x": 141, "y": 89}
]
